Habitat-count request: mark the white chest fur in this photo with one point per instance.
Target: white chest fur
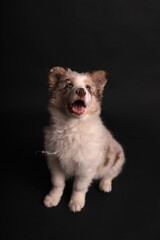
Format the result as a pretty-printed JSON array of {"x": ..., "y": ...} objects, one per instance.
[{"x": 79, "y": 146}]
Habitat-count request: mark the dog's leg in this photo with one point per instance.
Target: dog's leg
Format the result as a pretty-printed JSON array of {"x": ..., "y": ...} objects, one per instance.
[
  {"x": 58, "y": 181},
  {"x": 80, "y": 187},
  {"x": 116, "y": 162}
]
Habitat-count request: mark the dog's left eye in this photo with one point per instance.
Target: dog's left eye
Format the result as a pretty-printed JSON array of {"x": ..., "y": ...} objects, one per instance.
[
  {"x": 88, "y": 87},
  {"x": 69, "y": 85}
]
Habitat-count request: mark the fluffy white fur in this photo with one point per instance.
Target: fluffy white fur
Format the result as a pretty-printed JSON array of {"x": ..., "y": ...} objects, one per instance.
[{"x": 84, "y": 148}]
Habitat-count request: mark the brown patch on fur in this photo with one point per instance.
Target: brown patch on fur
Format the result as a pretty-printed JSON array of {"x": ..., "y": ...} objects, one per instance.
[
  {"x": 117, "y": 157},
  {"x": 63, "y": 91},
  {"x": 106, "y": 162},
  {"x": 107, "y": 158}
]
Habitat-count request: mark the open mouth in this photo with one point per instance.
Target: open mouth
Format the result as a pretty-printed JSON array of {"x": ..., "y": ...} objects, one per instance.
[{"x": 78, "y": 107}]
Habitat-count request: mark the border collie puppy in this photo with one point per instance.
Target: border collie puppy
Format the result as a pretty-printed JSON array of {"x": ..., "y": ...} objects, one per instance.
[{"x": 77, "y": 142}]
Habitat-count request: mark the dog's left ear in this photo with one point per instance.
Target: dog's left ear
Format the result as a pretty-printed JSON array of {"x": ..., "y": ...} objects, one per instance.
[{"x": 100, "y": 79}]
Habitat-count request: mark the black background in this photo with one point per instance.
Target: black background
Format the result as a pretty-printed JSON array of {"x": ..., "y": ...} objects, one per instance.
[{"x": 122, "y": 37}]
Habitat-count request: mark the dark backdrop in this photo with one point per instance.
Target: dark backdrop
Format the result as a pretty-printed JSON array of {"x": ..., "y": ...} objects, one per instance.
[{"x": 122, "y": 37}]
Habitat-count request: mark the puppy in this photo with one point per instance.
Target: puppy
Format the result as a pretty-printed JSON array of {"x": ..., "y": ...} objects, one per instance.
[{"x": 77, "y": 142}]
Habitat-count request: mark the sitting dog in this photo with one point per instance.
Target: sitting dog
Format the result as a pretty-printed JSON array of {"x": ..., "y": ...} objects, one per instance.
[{"x": 82, "y": 146}]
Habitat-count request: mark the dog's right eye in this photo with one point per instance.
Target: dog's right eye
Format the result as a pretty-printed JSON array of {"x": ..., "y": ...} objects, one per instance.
[{"x": 69, "y": 85}]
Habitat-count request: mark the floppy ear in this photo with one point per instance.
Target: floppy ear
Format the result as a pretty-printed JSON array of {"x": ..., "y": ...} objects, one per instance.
[
  {"x": 99, "y": 78},
  {"x": 54, "y": 75}
]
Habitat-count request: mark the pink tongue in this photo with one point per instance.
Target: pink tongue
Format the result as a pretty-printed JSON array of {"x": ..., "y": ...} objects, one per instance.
[{"x": 78, "y": 108}]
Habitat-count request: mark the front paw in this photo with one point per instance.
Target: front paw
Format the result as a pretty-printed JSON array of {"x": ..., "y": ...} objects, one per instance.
[
  {"x": 51, "y": 201},
  {"x": 76, "y": 205}
]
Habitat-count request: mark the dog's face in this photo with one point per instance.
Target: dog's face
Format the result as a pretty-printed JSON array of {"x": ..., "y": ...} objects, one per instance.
[{"x": 76, "y": 94}]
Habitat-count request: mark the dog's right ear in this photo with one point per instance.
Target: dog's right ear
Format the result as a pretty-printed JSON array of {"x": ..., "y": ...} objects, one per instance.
[{"x": 54, "y": 75}]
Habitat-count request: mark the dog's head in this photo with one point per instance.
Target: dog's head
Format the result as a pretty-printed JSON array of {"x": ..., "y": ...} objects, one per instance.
[{"x": 76, "y": 94}]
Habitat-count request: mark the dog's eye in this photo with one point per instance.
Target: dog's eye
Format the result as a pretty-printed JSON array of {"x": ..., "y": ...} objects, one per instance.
[
  {"x": 88, "y": 87},
  {"x": 69, "y": 85}
]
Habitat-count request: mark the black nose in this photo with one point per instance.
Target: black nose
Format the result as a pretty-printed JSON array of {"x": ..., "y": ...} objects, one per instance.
[{"x": 81, "y": 92}]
